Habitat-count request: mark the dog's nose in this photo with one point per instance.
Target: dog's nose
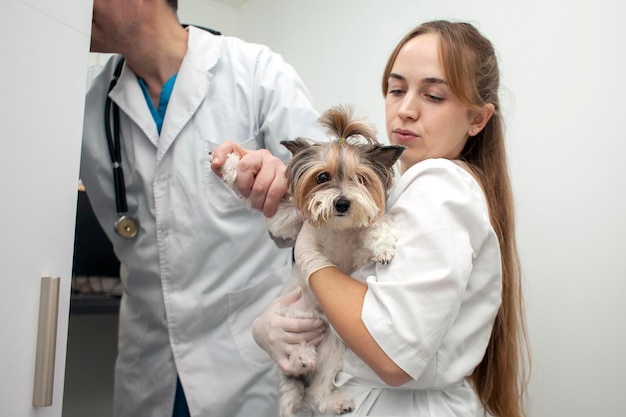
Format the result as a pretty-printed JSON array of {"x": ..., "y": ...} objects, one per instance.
[{"x": 342, "y": 205}]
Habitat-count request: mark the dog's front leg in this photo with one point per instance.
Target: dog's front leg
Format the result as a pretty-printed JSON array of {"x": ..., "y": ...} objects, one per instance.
[
  {"x": 285, "y": 224},
  {"x": 381, "y": 240}
]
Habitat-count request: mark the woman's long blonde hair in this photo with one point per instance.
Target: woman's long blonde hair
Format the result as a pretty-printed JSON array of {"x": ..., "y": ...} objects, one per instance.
[{"x": 471, "y": 70}]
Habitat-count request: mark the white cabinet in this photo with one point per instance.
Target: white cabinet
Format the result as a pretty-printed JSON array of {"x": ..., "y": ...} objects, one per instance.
[{"x": 44, "y": 46}]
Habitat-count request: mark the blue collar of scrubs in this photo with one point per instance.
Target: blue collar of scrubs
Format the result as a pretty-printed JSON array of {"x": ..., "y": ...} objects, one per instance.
[{"x": 159, "y": 114}]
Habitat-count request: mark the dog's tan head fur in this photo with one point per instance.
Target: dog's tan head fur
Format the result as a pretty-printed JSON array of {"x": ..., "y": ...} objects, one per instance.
[{"x": 342, "y": 183}]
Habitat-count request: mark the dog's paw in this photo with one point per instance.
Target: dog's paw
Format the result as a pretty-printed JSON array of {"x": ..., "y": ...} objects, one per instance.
[
  {"x": 381, "y": 240},
  {"x": 345, "y": 406},
  {"x": 384, "y": 257},
  {"x": 229, "y": 169},
  {"x": 336, "y": 403}
]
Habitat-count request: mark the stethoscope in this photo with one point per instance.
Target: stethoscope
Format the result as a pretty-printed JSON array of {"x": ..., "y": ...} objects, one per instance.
[{"x": 126, "y": 226}]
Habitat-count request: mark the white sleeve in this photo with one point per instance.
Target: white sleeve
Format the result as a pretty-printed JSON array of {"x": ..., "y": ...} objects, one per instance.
[
  {"x": 286, "y": 107},
  {"x": 411, "y": 303}
]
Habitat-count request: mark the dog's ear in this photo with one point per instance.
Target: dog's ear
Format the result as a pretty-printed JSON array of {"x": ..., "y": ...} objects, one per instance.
[
  {"x": 386, "y": 155},
  {"x": 296, "y": 145}
]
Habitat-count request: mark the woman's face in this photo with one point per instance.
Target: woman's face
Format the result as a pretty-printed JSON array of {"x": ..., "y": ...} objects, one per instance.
[{"x": 422, "y": 112}]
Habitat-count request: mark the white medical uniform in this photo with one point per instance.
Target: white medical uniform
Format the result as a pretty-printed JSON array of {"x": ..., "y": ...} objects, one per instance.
[
  {"x": 202, "y": 266},
  {"x": 433, "y": 307}
]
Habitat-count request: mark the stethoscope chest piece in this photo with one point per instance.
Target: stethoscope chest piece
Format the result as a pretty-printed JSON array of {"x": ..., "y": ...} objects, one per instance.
[{"x": 126, "y": 227}]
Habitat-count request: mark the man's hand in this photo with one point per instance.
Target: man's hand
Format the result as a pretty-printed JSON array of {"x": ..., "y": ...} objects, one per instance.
[{"x": 260, "y": 176}]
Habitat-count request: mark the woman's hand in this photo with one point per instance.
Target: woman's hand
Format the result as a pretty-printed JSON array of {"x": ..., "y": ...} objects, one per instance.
[
  {"x": 278, "y": 335},
  {"x": 309, "y": 258}
]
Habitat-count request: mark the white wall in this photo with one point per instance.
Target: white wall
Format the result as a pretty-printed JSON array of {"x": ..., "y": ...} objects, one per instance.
[
  {"x": 563, "y": 93},
  {"x": 210, "y": 14}
]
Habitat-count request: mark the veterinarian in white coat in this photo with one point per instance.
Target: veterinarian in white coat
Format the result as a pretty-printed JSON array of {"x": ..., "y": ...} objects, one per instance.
[
  {"x": 202, "y": 265},
  {"x": 439, "y": 331}
]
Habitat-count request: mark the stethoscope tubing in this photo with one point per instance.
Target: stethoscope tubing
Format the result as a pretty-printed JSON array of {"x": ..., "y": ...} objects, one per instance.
[{"x": 113, "y": 141}]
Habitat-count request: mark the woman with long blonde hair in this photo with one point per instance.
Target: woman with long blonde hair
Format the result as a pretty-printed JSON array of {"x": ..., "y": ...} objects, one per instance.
[{"x": 440, "y": 330}]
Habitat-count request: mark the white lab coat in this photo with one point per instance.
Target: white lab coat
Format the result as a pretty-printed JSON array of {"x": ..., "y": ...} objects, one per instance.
[
  {"x": 432, "y": 308},
  {"x": 202, "y": 266}
]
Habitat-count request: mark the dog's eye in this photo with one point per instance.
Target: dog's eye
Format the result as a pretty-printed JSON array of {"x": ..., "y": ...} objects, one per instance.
[
  {"x": 323, "y": 177},
  {"x": 362, "y": 179}
]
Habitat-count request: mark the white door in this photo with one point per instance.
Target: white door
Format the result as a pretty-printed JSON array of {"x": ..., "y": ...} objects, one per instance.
[{"x": 44, "y": 47}]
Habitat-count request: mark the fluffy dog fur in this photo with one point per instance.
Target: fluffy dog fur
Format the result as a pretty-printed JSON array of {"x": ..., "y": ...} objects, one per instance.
[{"x": 340, "y": 188}]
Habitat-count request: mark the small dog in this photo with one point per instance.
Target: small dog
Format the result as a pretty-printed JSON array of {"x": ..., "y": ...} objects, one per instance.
[{"x": 340, "y": 188}]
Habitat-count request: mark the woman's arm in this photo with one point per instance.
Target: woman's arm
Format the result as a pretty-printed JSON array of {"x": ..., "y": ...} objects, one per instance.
[
  {"x": 341, "y": 298},
  {"x": 397, "y": 322}
]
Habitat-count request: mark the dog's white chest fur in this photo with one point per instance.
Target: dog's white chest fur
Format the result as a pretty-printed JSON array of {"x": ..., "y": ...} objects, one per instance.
[{"x": 351, "y": 249}]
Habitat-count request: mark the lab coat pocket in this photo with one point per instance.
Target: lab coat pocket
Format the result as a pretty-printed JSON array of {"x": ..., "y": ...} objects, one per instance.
[
  {"x": 245, "y": 306},
  {"x": 220, "y": 195}
]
